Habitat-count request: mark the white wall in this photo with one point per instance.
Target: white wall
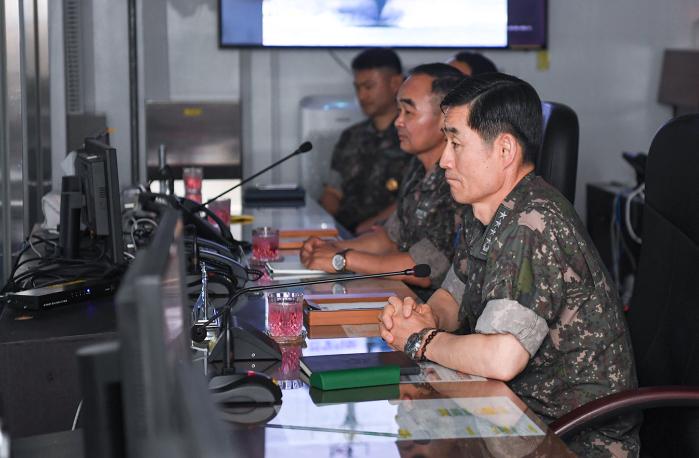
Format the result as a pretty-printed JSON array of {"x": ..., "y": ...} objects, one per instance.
[{"x": 605, "y": 60}]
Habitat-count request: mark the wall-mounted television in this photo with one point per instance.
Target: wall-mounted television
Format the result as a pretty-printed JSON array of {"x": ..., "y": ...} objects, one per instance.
[{"x": 392, "y": 23}]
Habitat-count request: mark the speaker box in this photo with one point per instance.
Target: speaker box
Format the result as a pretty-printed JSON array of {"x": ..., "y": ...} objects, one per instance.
[{"x": 39, "y": 383}]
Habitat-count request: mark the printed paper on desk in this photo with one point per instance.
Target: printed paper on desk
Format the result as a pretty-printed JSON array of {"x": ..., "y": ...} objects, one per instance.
[
  {"x": 292, "y": 267},
  {"x": 435, "y": 373},
  {"x": 388, "y": 421},
  {"x": 335, "y": 306}
]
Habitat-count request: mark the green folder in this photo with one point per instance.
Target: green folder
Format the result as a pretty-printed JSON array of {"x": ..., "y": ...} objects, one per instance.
[
  {"x": 363, "y": 394},
  {"x": 356, "y": 378}
]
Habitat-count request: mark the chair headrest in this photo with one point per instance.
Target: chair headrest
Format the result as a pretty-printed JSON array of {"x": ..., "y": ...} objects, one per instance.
[{"x": 672, "y": 174}]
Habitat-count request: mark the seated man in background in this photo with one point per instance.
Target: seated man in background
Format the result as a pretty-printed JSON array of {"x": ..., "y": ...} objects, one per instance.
[
  {"x": 471, "y": 63},
  {"x": 367, "y": 163},
  {"x": 527, "y": 300},
  {"x": 422, "y": 227}
]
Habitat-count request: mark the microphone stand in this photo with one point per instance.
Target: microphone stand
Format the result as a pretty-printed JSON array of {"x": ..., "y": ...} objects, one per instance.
[
  {"x": 305, "y": 147},
  {"x": 259, "y": 344}
]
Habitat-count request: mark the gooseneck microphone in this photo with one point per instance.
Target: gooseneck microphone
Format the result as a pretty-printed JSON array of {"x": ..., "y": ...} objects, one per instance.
[
  {"x": 303, "y": 148},
  {"x": 198, "y": 331}
]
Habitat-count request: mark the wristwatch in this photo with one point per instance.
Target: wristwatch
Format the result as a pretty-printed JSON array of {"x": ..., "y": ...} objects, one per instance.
[
  {"x": 414, "y": 343},
  {"x": 339, "y": 261}
]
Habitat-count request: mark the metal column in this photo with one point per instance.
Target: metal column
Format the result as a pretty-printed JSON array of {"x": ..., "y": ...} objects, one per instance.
[{"x": 25, "y": 156}]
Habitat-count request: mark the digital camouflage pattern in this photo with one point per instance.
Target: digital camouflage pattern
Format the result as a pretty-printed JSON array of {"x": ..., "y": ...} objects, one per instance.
[
  {"x": 368, "y": 166},
  {"x": 424, "y": 222},
  {"x": 535, "y": 251}
]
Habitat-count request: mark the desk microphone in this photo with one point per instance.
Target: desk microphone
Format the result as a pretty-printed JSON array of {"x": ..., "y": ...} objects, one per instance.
[
  {"x": 198, "y": 331},
  {"x": 303, "y": 148}
]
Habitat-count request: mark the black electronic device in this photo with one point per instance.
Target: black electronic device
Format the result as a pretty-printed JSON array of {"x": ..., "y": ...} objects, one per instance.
[
  {"x": 61, "y": 294},
  {"x": 245, "y": 388},
  {"x": 251, "y": 344},
  {"x": 96, "y": 166},
  {"x": 157, "y": 395},
  {"x": 254, "y": 196},
  {"x": 71, "y": 206}
]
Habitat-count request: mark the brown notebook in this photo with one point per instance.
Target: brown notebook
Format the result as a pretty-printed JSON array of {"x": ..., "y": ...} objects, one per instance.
[
  {"x": 292, "y": 239},
  {"x": 354, "y": 308}
]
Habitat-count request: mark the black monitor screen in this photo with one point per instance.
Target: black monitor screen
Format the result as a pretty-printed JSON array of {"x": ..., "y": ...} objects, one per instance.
[
  {"x": 394, "y": 23},
  {"x": 163, "y": 407},
  {"x": 97, "y": 168},
  {"x": 152, "y": 319}
]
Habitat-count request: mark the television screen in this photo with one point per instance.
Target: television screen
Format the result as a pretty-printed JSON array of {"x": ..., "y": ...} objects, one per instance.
[{"x": 392, "y": 23}]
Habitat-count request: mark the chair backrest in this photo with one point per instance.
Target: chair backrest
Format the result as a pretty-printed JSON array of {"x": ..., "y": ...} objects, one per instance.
[
  {"x": 664, "y": 312},
  {"x": 557, "y": 162}
]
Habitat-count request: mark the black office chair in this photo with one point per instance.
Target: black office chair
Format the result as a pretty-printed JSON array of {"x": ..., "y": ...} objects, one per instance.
[
  {"x": 557, "y": 162},
  {"x": 664, "y": 313}
]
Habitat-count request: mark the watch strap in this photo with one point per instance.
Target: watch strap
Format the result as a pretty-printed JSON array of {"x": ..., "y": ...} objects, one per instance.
[{"x": 429, "y": 338}]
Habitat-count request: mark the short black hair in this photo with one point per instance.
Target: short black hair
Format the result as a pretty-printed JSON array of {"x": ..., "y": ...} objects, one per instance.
[
  {"x": 498, "y": 104},
  {"x": 374, "y": 58},
  {"x": 478, "y": 62},
  {"x": 445, "y": 77}
]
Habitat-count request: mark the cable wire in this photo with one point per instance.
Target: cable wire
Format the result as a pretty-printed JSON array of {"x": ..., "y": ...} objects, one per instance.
[
  {"x": 639, "y": 191},
  {"x": 77, "y": 415}
]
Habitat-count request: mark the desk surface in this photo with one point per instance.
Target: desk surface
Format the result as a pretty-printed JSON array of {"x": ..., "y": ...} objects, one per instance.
[
  {"x": 436, "y": 418},
  {"x": 432, "y": 418}
]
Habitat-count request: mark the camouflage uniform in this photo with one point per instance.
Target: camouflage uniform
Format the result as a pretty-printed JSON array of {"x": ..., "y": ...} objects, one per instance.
[
  {"x": 367, "y": 166},
  {"x": 424, "y": 222},
  {"x": 534, "y": 273}
]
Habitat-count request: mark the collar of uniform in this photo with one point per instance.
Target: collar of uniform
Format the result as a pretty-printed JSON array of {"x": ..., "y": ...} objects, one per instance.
[
  {"x": 390, "y": 130},
  {"x": 432, "y": 178},
  {"x": 483, "y": 244}
]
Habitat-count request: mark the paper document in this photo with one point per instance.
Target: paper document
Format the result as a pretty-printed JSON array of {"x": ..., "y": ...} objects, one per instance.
[
  {"x": 336, "y": 306},
  {"x": 434, "y": 373},
  {"x": 292, "y": 267}
]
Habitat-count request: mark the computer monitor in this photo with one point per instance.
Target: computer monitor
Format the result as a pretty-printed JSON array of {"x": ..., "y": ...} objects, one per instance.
[
  {"x": 398, "y": 24},
  {"x": 161, "y": 397},
  {"x": 152, "y": 321},
  {"x": 96, "y": 165}
]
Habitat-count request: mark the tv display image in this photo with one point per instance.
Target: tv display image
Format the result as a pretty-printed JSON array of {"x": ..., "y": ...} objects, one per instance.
[{"x": 391, "y": 23}]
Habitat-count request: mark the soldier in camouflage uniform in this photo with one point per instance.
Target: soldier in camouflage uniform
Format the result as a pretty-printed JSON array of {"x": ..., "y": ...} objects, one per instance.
[
  {"x": 424, "y": 223},
  {"x": 367, "y": 163},
  {"x": 368, "y": 167},
  {"x": 421, "y": 230},
  {"x": 527, "y": 299}
]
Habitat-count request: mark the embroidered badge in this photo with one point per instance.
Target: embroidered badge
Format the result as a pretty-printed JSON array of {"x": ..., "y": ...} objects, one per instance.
[
  {"x": 492, "y": 229},
  {"x": 392, "y": 184}
]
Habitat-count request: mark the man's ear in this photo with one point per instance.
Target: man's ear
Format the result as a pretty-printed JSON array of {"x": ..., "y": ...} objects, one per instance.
[{"x": 508, "y": 149}]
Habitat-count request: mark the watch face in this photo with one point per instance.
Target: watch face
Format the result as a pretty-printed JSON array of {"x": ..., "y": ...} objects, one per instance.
[
  {"x": 412, "y": 344},
  {"x": 338, "y": 262},
  {"x": 339, "y": 289}
]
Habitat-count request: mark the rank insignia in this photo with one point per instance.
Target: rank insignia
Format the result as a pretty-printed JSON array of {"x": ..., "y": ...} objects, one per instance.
[{"x": 392, "y": 184}]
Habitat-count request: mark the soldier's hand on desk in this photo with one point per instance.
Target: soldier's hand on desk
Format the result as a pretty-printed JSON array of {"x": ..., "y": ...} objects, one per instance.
[
  {"x": 401, "y": 318},
  {"x": 321, "y": 257},
  {"x": 308, "y": 247}
]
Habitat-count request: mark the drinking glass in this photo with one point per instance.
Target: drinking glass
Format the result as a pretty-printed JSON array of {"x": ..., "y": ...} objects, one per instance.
[
  {"x": 285, "y": 316},
  {"x": 265, "y": 244},
  {"x": 192, "y": 177},
  {"x": 222, "y": 209}
]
